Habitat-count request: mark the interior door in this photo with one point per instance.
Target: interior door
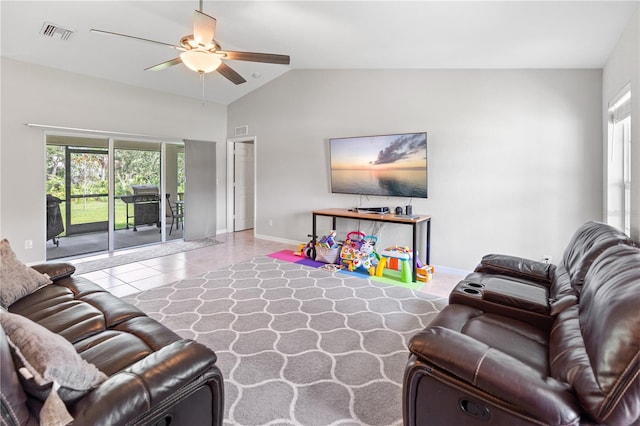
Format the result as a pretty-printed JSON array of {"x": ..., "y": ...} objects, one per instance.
[{"x": 244, "y": 187}]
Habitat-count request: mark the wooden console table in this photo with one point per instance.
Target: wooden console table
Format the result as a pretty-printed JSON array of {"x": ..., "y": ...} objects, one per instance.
[{"x": 414, "y": 221}]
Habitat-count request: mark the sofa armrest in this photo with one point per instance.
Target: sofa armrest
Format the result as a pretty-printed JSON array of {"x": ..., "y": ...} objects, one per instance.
[
  {"x": 517, "y": 267},
  {"x": 152, "y": 385},
  {"x": 497, "y": 373},
  {"x": 55, "y": 271}
]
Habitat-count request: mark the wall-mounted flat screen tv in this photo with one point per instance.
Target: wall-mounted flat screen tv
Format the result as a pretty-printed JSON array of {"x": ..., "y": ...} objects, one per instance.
[{"x": 387, "y": 165}]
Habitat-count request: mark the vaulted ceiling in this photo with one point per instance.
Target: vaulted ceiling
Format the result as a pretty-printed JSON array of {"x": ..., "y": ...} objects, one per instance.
[{"x": 316, "y": 34}]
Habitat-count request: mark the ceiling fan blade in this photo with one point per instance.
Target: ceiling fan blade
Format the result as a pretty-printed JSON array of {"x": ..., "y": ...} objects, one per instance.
[
  {"x": 204, "y": 28},
  {"x": 230, "y": 74},
  {"x": 269, "y": 58},
  {"x": 164, "y": 65},
  {"x": 93, "y": 30}
]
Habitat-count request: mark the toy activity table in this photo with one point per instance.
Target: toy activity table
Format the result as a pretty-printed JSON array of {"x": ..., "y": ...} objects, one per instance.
[{"x": 415, "y": 221}]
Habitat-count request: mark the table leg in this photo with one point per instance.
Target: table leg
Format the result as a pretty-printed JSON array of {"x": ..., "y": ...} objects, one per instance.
[
  {"x": 415, "y": 253},
  {"x": 428, "y": 258},
  {"x": 313, "y": 229}
]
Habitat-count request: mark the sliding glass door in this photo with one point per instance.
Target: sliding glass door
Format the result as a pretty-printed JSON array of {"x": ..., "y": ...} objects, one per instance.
[
  {"x": 91, "y": 178},
  {"x": 77, "y": 195},
  {"x": 137, "y": 197}
]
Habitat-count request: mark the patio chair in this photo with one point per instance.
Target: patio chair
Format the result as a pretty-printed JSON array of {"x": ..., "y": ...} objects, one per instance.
[{"x": 175, "y": 213}]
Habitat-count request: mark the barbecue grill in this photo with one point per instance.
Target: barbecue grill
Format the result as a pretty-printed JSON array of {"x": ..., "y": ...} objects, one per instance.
[
  {"x": 146, "y": 205},
  {"x": 55, "y": 226}
]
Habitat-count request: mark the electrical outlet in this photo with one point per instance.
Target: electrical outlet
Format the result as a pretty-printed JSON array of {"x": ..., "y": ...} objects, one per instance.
[
  {"x": 270, "y": 222},
  {"x": 28, "y": 244},
  {"x": 546, "y": 258}
]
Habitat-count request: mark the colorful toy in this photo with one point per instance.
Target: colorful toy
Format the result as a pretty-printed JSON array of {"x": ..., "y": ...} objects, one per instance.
[
  {"x": 327, "y": 249},
  {"x": 359, "y": 252},
  {"x": 403, "y": 255},
  {"x": 306, "y": 250},
  {"x": 328, "y": 240},
  {"x": 355, "y": 240},
  {"x": 425, "y": 273},
  {"x": 300, "y": 251},
  {"x": 331, "y": 267}
]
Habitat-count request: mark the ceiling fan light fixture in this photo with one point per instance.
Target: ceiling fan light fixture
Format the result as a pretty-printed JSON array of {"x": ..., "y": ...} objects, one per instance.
[{"x": 200, "y": 61}]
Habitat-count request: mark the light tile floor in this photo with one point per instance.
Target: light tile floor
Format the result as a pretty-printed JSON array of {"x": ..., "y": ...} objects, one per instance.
[{"x": 237, "y": 247}]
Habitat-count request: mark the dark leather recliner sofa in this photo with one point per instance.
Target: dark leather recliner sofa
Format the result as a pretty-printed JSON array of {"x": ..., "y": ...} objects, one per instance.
[
  {"x": 533, "y": 291},
  {"x": 154, "y": 376},
  {"x": 518, "y": 358}
]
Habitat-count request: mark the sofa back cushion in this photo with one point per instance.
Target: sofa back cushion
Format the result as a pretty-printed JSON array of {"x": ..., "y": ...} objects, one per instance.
[
  {"x": 589, "y": 240},
  {"x": 595, "y": 345}
]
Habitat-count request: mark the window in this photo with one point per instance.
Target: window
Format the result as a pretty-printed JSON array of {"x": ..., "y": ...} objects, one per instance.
[{"x": 619, "y": 162}]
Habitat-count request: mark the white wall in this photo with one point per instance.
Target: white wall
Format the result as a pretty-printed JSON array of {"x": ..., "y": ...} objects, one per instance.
[
  {"x": 34, "y": 94},
  {"x": 515, "y": 160},
  {"x": 622, "y": 67}
]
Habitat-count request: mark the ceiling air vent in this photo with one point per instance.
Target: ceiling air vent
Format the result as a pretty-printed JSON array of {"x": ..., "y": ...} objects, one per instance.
[
  {"x": 53, "y": 30},
  {"x": 242, "y": 130}
]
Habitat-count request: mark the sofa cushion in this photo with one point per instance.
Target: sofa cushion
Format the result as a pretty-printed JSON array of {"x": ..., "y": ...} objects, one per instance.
[
  {"x": 48, "y": 358},
  {"x": 524, "y": 342},
  {"x": 595, "y": 346},
  {"x": 587, "y": 243},
  {"x": 17, "y": 279}
]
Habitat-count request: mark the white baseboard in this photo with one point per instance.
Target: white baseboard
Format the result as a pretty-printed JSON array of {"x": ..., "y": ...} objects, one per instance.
[
  {"x": 453, "y": 271},
  {"x": 279, "y": 240}
]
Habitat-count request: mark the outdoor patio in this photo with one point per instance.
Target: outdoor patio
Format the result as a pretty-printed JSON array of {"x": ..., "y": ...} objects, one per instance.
[{"x": 91, "y": 243}]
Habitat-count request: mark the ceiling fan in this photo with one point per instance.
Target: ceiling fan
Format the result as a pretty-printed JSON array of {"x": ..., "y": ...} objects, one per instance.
[{"x": 202, "y": 53}]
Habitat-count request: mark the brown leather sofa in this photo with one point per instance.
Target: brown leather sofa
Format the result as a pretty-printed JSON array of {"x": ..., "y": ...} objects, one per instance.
[
  {"x": 491, "y": 361},
  {"x": 154, "y": 376},
  {"x": 534, "y": 291}
]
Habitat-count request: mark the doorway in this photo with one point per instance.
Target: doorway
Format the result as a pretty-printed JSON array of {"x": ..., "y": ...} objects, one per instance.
[
  {"x": 77, "y": 193},
  {"x": 86, "y": 183},
  {"x": 241, "y": 178},
  {"x": 106, "y": 194}
]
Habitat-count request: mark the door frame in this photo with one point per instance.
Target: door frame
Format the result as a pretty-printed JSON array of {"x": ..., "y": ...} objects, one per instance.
[{"x": 230, "y": 183}]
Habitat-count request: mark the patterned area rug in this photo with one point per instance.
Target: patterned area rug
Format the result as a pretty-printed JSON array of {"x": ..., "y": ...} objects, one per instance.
[
  {"x": 156, "y": 250},
  {"x": 298, "y": 345}
]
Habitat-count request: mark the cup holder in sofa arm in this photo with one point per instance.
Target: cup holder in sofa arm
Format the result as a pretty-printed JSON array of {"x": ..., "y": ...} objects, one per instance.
[
  {"x": 466, "y": 288},
  {"x": 475, "y": 285}
]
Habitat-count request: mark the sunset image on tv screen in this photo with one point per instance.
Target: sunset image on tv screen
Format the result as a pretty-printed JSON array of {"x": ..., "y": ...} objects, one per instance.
[{"x": 388, "y": 165}]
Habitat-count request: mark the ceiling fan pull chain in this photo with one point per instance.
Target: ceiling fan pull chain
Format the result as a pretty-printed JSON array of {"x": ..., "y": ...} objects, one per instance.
[{"x": 202, "y": 80}]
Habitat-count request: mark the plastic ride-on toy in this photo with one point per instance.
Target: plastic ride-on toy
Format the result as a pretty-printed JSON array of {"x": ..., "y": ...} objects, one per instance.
[{"x": 359, "y": 252}]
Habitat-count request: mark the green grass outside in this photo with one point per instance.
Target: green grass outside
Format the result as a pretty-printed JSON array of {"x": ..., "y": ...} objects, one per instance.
[{"x": 91, "y": 210}]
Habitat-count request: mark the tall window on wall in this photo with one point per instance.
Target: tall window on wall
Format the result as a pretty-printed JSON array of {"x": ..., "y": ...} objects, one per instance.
[{"x": 619, "y": 162}]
